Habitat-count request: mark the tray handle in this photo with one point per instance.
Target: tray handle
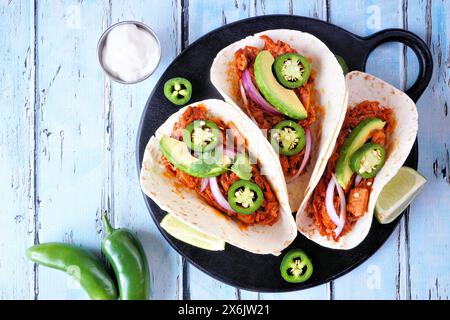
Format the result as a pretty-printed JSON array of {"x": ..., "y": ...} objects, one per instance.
[{"x": 417, "y": 45}]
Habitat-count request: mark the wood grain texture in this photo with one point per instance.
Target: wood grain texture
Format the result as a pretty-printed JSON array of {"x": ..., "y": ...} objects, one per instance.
[
  {"x": 124, "y": 106},
  {"x": 16, "y": 145},
  {"x": 70, "y": 130},
  {"x": 379, "y": 277},
  {"x": 429, "y": 220}
]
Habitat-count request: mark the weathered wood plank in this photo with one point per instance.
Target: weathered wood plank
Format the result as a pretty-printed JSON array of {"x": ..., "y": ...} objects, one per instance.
[
  {"x": 125, "y": 105},
  {"x": 379, "y": 277},
  {"x": 205, "y": 15},
  {"x": 429, "y": 219},
  {"x": 70, "y": 129},
  {"x": 17, "y": 144}
]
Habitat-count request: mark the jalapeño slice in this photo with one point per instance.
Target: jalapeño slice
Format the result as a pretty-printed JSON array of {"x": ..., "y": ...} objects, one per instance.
[
  {"x": 178, "y": 90},
  {"x": 288, "y": 137},
  {"x": 245, "y": 197},
  {"x": 291, "y": 70},
  {"x": 368, "y": 160},
  {"x": 201, "y": 135},
  {"x": 296, "y": 267}
]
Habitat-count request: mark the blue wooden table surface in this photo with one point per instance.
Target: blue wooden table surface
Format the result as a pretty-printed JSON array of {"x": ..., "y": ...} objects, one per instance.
[{"x": 67, "y": 142}]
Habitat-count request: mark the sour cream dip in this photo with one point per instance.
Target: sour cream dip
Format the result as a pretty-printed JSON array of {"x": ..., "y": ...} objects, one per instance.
[{"x": 129, "y": 52}]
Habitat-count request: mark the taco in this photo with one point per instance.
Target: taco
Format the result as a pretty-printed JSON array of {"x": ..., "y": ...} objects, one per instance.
[
  {"x": 292, "y": 87},
  {"x": 376, "y": 137},
  {"x": 206, "y": 167}
]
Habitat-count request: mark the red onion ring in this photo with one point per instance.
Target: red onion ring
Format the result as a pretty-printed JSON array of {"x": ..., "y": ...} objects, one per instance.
[
  {"x": 230, "y": 153},
  {"x": 339, "y": 221},
  {"x": 329, "y": 203},
  {"x": 243, "y": 96},
  {"x": 204, "y": 184},
  {"x": 357, "y": 180},
  {"x": 343, "y": 208},
  {"x": 217, "y": 194},
  {"x": 308, "y": 146},
  {"x": 254, "y": 94},
  {"x": 176, "y": 135}
]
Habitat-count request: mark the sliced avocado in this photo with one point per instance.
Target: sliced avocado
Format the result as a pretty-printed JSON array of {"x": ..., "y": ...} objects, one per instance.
[
  {"x": 284, "y": 100},
  {"x": 355, "y": 140},
  {"x": 177, "y": 153}
]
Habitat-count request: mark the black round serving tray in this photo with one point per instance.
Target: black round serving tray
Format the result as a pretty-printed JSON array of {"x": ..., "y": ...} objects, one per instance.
[{"x": 235, "y": 266}]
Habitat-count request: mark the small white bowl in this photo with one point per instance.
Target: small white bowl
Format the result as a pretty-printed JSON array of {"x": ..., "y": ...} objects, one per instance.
[{"x": 101, "y": 45}]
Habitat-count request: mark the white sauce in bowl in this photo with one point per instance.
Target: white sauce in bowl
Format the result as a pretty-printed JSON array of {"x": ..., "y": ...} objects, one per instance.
[{"x": 130, "y": 53}]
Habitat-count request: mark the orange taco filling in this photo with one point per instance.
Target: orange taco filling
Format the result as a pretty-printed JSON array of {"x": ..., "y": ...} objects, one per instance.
[
  {"x": 295, "y": 163},
  {"x": 358, "y": 155},
  {"x": 252, "y": 200}
]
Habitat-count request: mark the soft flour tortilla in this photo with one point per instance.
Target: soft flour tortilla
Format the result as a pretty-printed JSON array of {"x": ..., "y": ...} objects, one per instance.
[
  {"x": 363, "y": 86},
  {"x": 329, "y": 84},
  {"x": 187, "y": 206}
]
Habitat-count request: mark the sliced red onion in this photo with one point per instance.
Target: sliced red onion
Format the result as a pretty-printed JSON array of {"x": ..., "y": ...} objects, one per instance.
[
  {"x": 329, "y": 203},
  {"x": 254, "y": 94},
  {"x": 308, "y": 146},
  {"x": 204, "y": 184},
  {"x": 339, "y": 221},
  {"x": 217, "y": 194},
  {"x": 343, "y": 208},
  {"x": 230, "y": 153},
  {"x": 243, "y": 96},
  {"x": 176, "y": 135},
  {"x": 357, "y": 180}
]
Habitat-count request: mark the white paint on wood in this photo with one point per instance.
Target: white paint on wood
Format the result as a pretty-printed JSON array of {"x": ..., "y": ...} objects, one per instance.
[
  {"x": 16, "y": 145},
  {"x": 70, "y": 133},
  {"x": 429, "y": 226}
]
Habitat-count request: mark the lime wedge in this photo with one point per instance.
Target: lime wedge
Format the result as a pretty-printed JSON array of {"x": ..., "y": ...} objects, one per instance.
[
  {"x": 398, "y": 193},
  {"x": 185, "y": 233}
]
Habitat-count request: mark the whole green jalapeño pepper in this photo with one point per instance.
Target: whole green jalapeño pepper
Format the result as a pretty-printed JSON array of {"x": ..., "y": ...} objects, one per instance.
[
  {"x": 127, "y": 257},
  {"x": 296, "y": 267},
  {"x": 82, "y": 265}
]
